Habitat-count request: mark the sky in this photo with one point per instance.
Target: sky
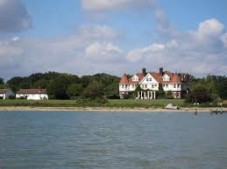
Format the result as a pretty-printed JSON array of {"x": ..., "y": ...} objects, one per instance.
[{"x": 86, "y": 37}]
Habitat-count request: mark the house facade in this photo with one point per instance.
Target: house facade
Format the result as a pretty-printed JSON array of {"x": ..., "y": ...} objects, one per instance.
[
  {"x": 32, "y": 94},
  {"x": 147, "y": 84},
  {"x": 6, "y": 93}
]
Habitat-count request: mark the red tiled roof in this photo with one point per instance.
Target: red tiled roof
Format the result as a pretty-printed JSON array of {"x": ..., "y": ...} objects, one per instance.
[
  {"x": 125, "y": 79},
  {"x": 3, "y": 91},
  {"x": 32, "y": 91},
  {"x": 174, "y": 78},
  {"x": 157, "y": 76},
  {"x": 140, "y": 76}
]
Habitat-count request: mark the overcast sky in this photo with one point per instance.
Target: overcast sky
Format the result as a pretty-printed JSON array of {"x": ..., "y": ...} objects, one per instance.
[{"x": 120, "y": 36}]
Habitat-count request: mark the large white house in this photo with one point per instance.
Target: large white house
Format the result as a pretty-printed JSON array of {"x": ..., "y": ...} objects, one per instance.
[
  {"x": 32, "y": 94},
  {"x": 6, "y": 93},
  {"x": 149, "y": 82}
]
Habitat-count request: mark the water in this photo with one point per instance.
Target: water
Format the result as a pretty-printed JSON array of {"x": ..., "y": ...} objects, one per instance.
[{"x": 100, "y": 140}]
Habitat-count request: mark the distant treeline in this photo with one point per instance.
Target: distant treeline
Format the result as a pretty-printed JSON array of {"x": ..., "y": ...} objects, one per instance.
[
  {"x": 208, "y": 89},
  {"x": 67, "y": 86},
  {"x": 211, "y": 88}
]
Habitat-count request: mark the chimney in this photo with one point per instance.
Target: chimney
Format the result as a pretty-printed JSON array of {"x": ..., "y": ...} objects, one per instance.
[
  {"x": 161, "y": 70},
  {"x": 144, "y": 71}
]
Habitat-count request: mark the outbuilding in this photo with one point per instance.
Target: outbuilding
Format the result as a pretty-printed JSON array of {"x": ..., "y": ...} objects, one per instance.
[
  {"x": 6, "y": 94},
  {"x": 32, "y": 94}
]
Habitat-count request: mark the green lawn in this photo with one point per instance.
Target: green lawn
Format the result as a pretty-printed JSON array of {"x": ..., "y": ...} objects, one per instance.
[
  {"x": 144, "y": 103},
  {"x": 130, "y": 103},
  {"x": 74, "y": 103}
]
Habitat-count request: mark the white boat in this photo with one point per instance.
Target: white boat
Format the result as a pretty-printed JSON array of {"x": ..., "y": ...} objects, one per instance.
[{"x": 171, "y": 106}]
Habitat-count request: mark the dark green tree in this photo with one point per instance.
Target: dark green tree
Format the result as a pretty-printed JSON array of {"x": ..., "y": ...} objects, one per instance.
[
  {"x": 1, "y": 81},
  {"x": 200, "y": 94},
  {"x": 94, "y": 90},
  {"x": 161, "y": 92},
  {"x": 75, "y": 90}
]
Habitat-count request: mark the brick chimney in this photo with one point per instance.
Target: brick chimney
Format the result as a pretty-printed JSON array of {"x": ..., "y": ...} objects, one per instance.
[
  {"x": 161, "y": 70},
  {"x": 144, "y": 71}
]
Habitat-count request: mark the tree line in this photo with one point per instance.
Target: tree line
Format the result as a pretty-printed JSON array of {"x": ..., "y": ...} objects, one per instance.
[
  {"x": 211, "y": 88},
  {"x": 67, "y": 86}
]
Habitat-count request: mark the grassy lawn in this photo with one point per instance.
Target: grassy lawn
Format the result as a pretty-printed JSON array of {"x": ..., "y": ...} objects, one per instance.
[
  {"x": 74, "y": 103},
  {"x": 38, "y": 103},
  {"x": 144, "y": 103},
  {"x": 130, "y": 103}
]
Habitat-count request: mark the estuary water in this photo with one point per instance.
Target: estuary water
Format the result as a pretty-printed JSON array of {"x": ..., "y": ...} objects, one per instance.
[{"x": 112, "y": 140}]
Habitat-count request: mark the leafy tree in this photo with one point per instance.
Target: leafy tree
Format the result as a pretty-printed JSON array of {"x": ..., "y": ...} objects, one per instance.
[
  {"x": 42, "y": 83},
  {"x": 161, "y": 92},
  {"x": 74, "y": 89},
  {"x": 94, "y": 90},
  {"x": 1, "y": 81},
  {"x": 200, "y": 94},
  {"x": 58, "y": 87},
  {"x": 16, "y": 83},
  {"x": 169, "y": 95}
]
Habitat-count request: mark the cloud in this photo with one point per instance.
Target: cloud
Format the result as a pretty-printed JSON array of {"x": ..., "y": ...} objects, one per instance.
[
  {"x": 106, "y": 5},
  {"x": 103, "y": 52},
  {"x": 202, "y": 51},
  {"x": 88, "y": 50},
  {"x": 224, "y": 39},
  {"x": 100, "y": 7},
  {"x": 13, "y": 16},
  {"x": 98, "y": 31},
  {"x": 97, "y": 48}
]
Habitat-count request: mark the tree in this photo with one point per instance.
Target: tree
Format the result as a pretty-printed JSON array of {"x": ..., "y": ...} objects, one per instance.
[
  {"x": 161, "y": 92},
  {"x": 1, "y": 81},
  {"x": 94, "y": 90},
  {"x": 200, "y": 94},
  {"x": 57, "y": 88},
  {"x": 169, "y": 95},
  {"x": 74, "y": 89}
]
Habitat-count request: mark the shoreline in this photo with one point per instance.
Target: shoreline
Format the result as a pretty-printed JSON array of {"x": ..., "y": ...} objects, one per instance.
[{"x": 106, "y": 109}]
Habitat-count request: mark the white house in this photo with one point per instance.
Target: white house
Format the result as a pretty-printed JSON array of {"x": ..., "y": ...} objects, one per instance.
[
  {"x": 6, "y": 93},
  {"x": 176, "y": 83},
  {"x": 32, "y": 94}
]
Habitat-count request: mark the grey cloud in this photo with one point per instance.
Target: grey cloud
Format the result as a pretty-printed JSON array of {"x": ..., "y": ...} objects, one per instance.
[{"x": 13, "y": 16}]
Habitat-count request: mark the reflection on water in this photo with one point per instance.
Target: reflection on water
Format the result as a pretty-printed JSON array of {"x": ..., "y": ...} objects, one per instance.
[{"x": 117, "y": 140}]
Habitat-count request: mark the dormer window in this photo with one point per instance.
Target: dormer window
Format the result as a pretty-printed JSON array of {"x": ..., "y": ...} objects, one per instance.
[{"x": 166, "y": 78}]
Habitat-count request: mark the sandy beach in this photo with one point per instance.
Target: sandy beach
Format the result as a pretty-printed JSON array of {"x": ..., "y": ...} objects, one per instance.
[{"x": 107, "y": 109}]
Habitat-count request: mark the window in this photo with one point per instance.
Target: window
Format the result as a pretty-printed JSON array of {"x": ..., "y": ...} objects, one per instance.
[
  {"x": 178, "y": 85},
  {"x": 145, "y": 86},
  {"x": 174, "y": 86}
]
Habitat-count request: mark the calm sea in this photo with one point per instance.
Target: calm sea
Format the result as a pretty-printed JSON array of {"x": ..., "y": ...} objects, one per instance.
[{"x": 113, "y": 140}]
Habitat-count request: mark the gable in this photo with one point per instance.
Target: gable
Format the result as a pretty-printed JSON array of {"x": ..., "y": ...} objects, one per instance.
[
  {"x": 148, "y": 79},
  {"x": 135, "y": 78},
  {"x": 166, "y": 78}
]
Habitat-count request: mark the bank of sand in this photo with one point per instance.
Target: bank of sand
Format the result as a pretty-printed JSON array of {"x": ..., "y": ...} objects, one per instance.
[{"x": 107, "y": 109}]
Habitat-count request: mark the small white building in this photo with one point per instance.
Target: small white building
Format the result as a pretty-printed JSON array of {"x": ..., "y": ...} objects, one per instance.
[
  {"x": 6, "y": 93},
  {"x": 32, "y": 94}
]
